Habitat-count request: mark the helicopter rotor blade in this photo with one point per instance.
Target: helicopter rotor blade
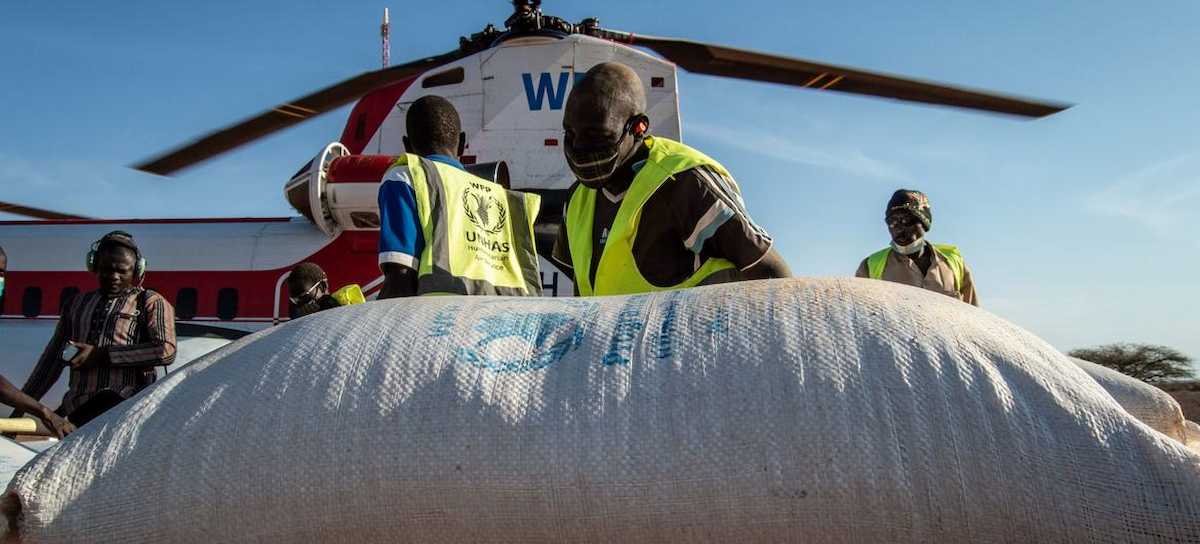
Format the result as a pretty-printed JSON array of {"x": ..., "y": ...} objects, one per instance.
[
  {"x": 288, "y": 114},
  {"x": 731, "y": 62},
  {"x": 36, "y": 213}
]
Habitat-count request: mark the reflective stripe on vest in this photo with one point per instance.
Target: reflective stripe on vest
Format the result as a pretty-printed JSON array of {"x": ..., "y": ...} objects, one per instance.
[
  {"x": 617, "y": 273},
  {"x": 878, "y": 261},
  {"x": 478, "y": 235}
]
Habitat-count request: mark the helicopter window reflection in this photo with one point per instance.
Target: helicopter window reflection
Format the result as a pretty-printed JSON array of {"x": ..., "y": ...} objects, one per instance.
[
  {"x": 185, "y": 303},
  {"x": 31, "y": 302},
  {"x": 227, "y": 303},
  {"x": 65, "y": 297}
]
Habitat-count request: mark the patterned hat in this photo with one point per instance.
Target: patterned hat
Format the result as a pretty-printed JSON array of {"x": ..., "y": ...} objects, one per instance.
[{"x": 914, "y": 202}]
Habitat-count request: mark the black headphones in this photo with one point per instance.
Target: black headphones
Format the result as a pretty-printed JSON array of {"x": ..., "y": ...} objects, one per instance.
[{"x": 123, "y": 239}]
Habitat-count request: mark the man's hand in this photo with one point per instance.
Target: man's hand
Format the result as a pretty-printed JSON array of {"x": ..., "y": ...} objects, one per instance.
[
  {"x": 57, "y": 425},
  {"x": 88, "y": 356}
]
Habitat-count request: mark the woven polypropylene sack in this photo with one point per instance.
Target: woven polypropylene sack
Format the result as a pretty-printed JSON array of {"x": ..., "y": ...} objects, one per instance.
[
  {"x": 780, "y": 411},
  {"x": 1149, "y": 404},
  {"x": 1192, "y": 432}
]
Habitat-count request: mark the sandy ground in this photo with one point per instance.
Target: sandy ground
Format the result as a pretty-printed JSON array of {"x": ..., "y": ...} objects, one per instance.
[{"x": 1188, "y": 395}]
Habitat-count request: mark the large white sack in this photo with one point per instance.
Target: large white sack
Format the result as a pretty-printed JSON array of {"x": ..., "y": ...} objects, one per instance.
[
  {"x": 1192, "y": 431},
  {"x": 791, "y": 410},
  {"x": 1151, "y": 405},
  {"x": 13, "y": 456}
]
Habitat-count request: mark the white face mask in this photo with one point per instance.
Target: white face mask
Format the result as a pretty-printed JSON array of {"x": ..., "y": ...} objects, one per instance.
[{"x": 910, "y": 249}]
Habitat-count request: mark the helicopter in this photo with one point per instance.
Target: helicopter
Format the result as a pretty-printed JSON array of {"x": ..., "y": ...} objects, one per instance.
[{"x": 509, "y": 85}]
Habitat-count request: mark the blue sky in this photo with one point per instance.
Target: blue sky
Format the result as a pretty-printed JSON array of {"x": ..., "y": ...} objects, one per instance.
[{"x": 1080, "y": 227}]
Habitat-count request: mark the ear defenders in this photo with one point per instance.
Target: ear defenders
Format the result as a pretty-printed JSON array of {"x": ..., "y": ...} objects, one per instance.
[
  {"x": 639, "y": 125},
  {"x": 123, "y": 239}
]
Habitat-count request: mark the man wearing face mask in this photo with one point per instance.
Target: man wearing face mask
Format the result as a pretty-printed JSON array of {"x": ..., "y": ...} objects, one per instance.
[
  {"x": 648, "y": 213},
  {"x": 911, "y": 259},
  {"x": 111, "y": 339},
  {"x": 444, "y": 231}
]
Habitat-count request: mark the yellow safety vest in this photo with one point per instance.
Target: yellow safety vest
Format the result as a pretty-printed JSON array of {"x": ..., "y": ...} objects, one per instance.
[
  {"x": 878, "y": 261},
  {"x": 617, "y": 273},
  {"x": 478, "y": 235},
  {"x": 349, "y": 294}
]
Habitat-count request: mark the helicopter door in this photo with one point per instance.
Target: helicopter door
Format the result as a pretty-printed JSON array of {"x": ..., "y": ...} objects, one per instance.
[{"x": 525, "y": 84}]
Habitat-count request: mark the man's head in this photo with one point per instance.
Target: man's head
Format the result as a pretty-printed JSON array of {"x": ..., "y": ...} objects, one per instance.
[
  {"x": 307, "y": 284},
  {"x": 114, "y": 260},
  {"x": 603, "y": 122},
  {"x": 433, "y": 128},
  {"x": 908, "y": 217}
]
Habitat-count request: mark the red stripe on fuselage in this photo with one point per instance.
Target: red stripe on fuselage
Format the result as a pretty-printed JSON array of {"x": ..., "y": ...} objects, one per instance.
[
  {"x": 174, "y": 221},
  {"x": 350, "y": 258},
  {"x": 359, "y": 168},
  {"x": 368, "y": 114}
]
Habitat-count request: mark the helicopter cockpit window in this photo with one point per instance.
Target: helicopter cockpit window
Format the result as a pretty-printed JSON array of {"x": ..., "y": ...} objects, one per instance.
[
  {"x": 65, "y": 297},
  {"x": 31, "y": 302},
  {"x": 449, "y": 77},
  {"x": 227, "y": 303},
  {"x": 185, "y": 303}
]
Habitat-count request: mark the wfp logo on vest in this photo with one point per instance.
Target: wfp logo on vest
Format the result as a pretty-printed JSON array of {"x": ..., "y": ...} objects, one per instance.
[
  {"x": 514, "y": 341},
  {"x": 546, "y": 90},
  {"x": 488, "y": 215}
]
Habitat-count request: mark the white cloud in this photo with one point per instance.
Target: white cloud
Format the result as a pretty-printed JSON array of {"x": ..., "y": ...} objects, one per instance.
[
  {"x": 852, "y": 161},
  {"x": 1164, "y": 197}
]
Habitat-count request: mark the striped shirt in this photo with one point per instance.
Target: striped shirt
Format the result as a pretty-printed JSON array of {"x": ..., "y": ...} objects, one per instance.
[{"x": 136, "y": 344}]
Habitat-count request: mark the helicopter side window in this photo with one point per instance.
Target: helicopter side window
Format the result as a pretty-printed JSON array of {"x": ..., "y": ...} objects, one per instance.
[
  {"x": 227, "y": 304},
  {"x": 31, "y": 302},
  {"x": 185, "y": 303},
  {"x": 65, "y": 297},
  {"x": 452, "y": 76}
]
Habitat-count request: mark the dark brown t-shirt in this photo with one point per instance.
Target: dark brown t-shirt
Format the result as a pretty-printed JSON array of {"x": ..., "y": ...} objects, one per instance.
[{"x": 696, "y": 215}]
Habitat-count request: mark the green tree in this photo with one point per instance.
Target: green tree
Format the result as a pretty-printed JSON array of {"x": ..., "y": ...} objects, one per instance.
[{"x": 1146, "y": 362}]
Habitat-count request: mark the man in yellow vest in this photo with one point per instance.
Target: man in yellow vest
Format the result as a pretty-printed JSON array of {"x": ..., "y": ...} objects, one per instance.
[
  {"x": 914, "y": 261},
  {"x": 648, "y": 213},
  {"x": 445, "y": 231}
]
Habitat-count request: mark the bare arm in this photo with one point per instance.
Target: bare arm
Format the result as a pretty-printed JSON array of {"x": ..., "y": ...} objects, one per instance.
[
  {"x": 12, "y": 396},
  {"x": 50, "y": 366},
  {"x": 398, "y": 281}
]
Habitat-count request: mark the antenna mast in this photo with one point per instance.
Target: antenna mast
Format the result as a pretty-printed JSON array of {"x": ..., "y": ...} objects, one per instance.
[{"x": 385, "y": 33}]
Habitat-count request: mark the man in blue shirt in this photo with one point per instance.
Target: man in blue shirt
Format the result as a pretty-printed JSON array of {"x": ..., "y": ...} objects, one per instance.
[
  {"x": 434, "y": 132},
  {"x": 481, "y": 234}
]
